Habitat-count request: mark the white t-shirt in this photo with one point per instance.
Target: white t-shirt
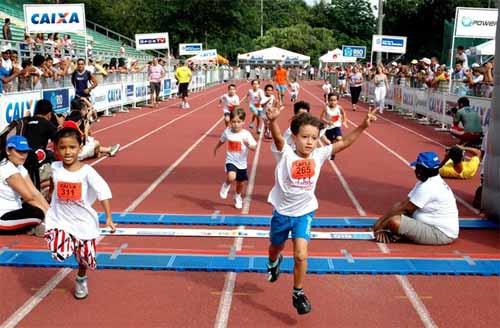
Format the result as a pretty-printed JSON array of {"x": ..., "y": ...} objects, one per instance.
[
  {"x": 287, "y": 135},
  {"x": 436, "y": 205},
  {"x": 229, "y": 102},
  {"x": 294, "y": 87},
  {"x": 71, "y": 206},
  {"x": 327, "y": 88},
  {"x": 295, "y": 180},
  {"x": 237, "y": 151},
  {"x": 268, "y": 102},
  {"x": 247, "y": 68},
  {"x": 10, "y": 200},
  {"x": 255, "y": 96},
  {"x": 334, "y": 116}
]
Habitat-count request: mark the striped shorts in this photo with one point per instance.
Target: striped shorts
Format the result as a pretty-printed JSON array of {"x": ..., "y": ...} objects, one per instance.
[{"x": 63, "y": 245}]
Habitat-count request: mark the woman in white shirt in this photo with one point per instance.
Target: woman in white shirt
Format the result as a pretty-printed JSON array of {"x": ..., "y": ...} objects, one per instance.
[
  {"x": 21, "y": 204},
  {"x": 381, "y": 86},
  {"x": 355, "y": 84}
]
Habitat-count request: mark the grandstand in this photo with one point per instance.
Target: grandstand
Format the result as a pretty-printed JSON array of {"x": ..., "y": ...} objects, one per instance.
[{"x": 104, "y": 46}]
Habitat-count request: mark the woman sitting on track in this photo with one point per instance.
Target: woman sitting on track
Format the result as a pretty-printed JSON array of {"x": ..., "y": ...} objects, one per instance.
[
  {"x": 429, "y": 214},
  {"x": 15, "y": 183}
]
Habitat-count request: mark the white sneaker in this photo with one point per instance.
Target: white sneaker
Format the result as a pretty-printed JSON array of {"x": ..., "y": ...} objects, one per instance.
[
  {"x": 114, "y": 149},
  {"x": 182, "y": 105},
  {"x": 251, "y": 126},
  {"x": 81, "y": 288},
  {"x": 186, "y": 106},
  {"x": 259, "y": 130},
  {"x": 39, "y": 230},
  {"x": 224, "y": 189},
  {"x": 238, "y": 201}
]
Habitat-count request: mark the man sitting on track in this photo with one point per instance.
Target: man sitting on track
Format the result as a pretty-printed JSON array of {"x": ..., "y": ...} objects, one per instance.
[{"x": 429, "y": 214}]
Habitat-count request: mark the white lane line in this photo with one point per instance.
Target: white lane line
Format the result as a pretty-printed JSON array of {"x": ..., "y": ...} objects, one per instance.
[
  {"x": 169, "y": 170},
  {"x": 226, "y": 299},
  {"x": 147, "y": 113},
  {"x": 412, "y": 295},
  {"x": 40, "y": 295},
  {"x": 402, "y": 159}
]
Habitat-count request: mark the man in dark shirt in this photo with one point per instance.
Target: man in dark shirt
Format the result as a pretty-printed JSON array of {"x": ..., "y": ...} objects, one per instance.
[
  {"x": 81, "y": 78},
  {"x": 7, "y": 34},
  {"x": 39, "y": 130}
]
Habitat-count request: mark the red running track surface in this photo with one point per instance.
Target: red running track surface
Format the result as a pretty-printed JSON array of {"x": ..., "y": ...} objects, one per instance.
[{"x": 173, "y": 149}]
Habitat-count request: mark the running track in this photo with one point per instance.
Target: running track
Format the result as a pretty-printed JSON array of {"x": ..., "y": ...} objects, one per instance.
[{"x": 166, "y": 166}]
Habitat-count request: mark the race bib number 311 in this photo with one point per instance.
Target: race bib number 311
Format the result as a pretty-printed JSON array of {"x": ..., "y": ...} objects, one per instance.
[
  {"x": 303, "y": 169},
  {"x": 69, "y": 191}
]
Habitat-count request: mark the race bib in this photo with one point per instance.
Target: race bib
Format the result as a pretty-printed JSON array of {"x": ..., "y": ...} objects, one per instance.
[
  {"x": 335, "y": 118},
  {"x": 234, "y": 146},
  {"x": 69, "y": 191},
  {"x": 303, "y": 169}
]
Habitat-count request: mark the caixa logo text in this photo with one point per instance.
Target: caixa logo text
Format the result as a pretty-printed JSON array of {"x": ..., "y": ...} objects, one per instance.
[
  {"x": 114, "y": 95},
  {"x": 17, "y": 110},
  {"x": 55, "y": 18}
]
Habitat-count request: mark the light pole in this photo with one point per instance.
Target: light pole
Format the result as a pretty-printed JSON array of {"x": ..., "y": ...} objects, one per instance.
[
  {"x": 379, "y": 26},
  {"x": 261, "y": 18}
]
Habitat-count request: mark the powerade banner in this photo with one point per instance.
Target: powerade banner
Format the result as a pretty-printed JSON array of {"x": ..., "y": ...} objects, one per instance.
[
  {"x": 190, "y": 48},
  {"x": 17, "y": 105},
  {"x": 389, "y": 43},
  {"x": 59, "y": 99},
  {"x": 476, "y": 22},
  {"x": 54, "y": 18},
  {"x": 151, "y": 41}
]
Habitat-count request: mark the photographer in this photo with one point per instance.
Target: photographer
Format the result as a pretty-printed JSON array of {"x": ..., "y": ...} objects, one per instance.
[{"x": 470, "y": 120}]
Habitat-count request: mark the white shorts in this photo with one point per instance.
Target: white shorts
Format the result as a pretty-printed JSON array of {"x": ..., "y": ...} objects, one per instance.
[
  {"x": 341, "y": 82},
  {"x": 88, "y": 150}
]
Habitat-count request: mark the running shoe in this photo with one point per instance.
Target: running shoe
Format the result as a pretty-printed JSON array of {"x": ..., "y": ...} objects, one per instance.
[
  {"x": 251, "y": 126},
  {"x": 274, "y": 272},
  {"x": 224, "y": 189},
  {"x": 182, "y": 106},
  {"x": 238, "y": 201},
  {"x": 114, "y": 149},
  {"x": 81, "y": 288},
  {"x": 301, "y": 303},
  {"x": 186, "y": 106},
  {"x": 259, "y": 130}
]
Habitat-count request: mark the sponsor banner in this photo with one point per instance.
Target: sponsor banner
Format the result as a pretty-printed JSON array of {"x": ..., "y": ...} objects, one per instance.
[
  {"x": 141, "y": 91},
  {"x": 14, "y": 106},
  {"x": 151, "y": 41},
  {"x": 107, "y": 96},
  {"x": 436, "y": 106},
  {"x": 354, "y": 51},
  {"x": 190, "y": 48},
  {"x": 167, "y": 87},
  {"x": 420, "y": 101},
  {"x": 59, "y": 99},
  {"x": 129, "y": 91},
  {"x": 61, "y": 18},
  {"x": 389, "y": 43},
  {"x": 476, "y": 22},
  {"x": 208, "y": 53},
  {"x": 408, "y": 99}
]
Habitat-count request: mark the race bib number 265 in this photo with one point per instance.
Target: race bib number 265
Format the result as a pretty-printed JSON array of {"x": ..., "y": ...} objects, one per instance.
[{"x": 303, "y": 169}]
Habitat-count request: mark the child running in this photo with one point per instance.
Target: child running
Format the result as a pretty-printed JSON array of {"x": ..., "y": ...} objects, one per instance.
[
  {"x": 298, "y": 108},
  {"x": 292, "y": 196},
  {"x": 294, "y": 90},
  {"x": 71, "y": 222},
  {"x": 268, "y": 101},
  {"x": 327, "y": 89},
  {"x": 254, "y": 97},
  {"x": 239, "y": 141},
  {"x": 230, "y": 101},
  {"x": 333, "y": 116}
]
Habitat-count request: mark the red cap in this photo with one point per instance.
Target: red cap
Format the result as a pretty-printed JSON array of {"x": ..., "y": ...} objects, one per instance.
[{"x": 71, "y": 125}]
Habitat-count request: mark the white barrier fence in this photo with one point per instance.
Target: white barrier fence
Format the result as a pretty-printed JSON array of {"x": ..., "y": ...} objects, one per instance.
[
  {"x": 431, "y": 104},
  {"x": 105, "y": 97}
]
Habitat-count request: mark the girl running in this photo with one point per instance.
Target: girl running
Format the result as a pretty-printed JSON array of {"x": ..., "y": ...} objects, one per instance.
[
  {"x": 239, "y": 141},
  {"x": 71, "y": 222},
  {"x": 229, "y": 100},
  {"x": 254, "y": 97},
  {"x": 334, "y": 117},
  {"x": 327, "y": 89},
  {"x": 294, "y": 90}
]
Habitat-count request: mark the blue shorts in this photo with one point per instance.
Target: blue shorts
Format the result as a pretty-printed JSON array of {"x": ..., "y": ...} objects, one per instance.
[
  {"x": 281, "y": 225},
  {"x": 281, "y": 88}
]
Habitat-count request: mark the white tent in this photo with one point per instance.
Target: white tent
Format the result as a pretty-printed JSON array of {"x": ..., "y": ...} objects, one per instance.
[
  {"x": 335, "y": 56},
  {"x": 272, "y": 56},
  {"x": 484, "y": 49}
]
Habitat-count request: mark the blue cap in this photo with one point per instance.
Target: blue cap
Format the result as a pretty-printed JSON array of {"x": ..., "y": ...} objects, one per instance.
[
  {"x": 428, "y": 159},
  {"x": 18, "y": 143}
]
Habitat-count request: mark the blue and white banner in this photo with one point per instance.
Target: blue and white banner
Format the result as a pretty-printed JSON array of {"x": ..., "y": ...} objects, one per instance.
[
  {"x": 61, "y": 18},
  {"x": 167, "y": 87},
  {"x": 389, "y": 43},
  {"x": 59, "y": 99},
  {"x": 107, "y": 96},
  {"x": 208, "y": 53},
  {"x": 476, "y": 22},
  {"x": 14, "y": 106},
  {"x": 190, "y": 48},
  {"x": 151, "y": 41},
  {"x": 354, "y": 51}
]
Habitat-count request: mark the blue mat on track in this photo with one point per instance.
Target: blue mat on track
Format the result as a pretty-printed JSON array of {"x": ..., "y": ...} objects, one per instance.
[
  {"x": 256, "y": 221},
  {"x": 213, "y": 263}
]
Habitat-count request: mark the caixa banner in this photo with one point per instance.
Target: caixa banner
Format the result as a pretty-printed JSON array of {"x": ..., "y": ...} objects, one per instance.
[
  {"x": 54, "y": 18},
  {"x": 16, "y": 105}
]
